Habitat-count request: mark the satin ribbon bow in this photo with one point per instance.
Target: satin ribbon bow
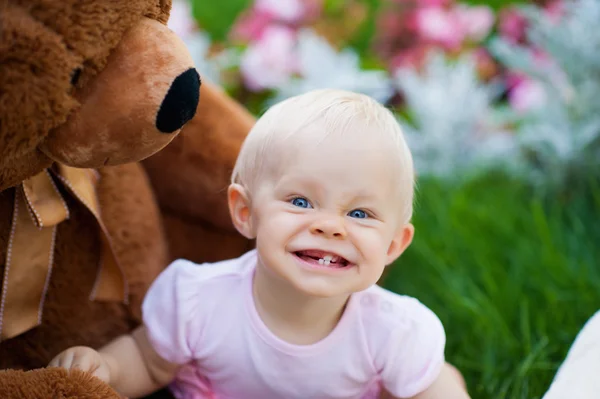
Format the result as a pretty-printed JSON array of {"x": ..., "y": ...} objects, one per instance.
[{"x": 39, "y": 208}]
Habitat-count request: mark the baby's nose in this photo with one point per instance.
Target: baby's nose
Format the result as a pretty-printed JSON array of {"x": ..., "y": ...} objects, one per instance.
[{"x": 331, "y": 228}]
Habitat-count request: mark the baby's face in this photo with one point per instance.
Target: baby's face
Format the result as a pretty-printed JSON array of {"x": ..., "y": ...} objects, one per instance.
[{"x": 327, "y": 220}]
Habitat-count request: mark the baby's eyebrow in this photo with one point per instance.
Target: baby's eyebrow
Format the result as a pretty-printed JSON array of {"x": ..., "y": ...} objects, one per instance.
[
  {"x": 296, "y": 181},
  {"x": 364, "y": 196}
]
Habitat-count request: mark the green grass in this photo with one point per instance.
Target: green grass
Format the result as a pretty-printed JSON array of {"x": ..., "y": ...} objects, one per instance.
[{"x": 513, "y": 276}]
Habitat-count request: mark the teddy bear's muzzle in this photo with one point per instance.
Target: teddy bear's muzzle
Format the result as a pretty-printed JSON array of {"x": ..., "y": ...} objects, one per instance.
[{"x": 134, "y": 107}]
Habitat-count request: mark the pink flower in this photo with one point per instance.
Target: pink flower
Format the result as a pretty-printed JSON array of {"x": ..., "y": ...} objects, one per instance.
[
  {"x": 421, "y": 3},
  {"x": 251, "y": 26},
  {"x": 439, "y": 26},
  {"x": 290, "y": 11},
  {"x": 512, "y": 25},
  {"x": 412, "y": 58},
  {"x": 312, "y": 9},
  {"x": 181, "y": 21},
  {"x": 269, "y": 62},
  {"x": 476, "y": 22},
  {"x": 541, "y": 59},
  {"x": 555, "y": 10},
  {"x": 525, "y": 94},
  {"x": 434, "y": 3}
]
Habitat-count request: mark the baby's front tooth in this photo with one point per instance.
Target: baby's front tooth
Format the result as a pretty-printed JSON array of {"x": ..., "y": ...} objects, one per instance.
[
  {"x": 327, "y": 261},
  {"x": 321, "y": 261},
  {"x": 328, "y": 258}
]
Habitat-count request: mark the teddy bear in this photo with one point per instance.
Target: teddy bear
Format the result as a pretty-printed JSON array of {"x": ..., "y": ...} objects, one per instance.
[{"x": 114, "y": 160}]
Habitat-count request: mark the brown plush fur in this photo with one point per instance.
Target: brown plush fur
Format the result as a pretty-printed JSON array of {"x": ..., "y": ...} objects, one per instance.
[
  {"x": 130, "y": 87},
  {"x": 69, "y": 317},
  {"x": 45, "y": 45},
  {"x": 106, "y": 115},
  {"x": 53, "y": 383},
  {"x": 191, "y": 175}
]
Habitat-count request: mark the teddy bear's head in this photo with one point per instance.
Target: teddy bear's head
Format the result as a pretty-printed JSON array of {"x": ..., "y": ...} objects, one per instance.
[{"x": 88, "y": 83}]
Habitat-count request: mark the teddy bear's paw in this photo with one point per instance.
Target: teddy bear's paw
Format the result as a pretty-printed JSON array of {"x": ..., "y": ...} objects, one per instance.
[{"x": 53, "y": 383}]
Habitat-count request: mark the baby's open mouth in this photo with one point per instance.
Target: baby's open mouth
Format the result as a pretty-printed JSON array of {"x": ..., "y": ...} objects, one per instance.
[{"x": 322, "y": 258}]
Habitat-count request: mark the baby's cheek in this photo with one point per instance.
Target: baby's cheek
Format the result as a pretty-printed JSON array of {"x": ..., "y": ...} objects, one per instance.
[
  {"x": 278, "y": 227},
  {"x": 369, "y": 246},
  {"x": 289, "y": 221}
]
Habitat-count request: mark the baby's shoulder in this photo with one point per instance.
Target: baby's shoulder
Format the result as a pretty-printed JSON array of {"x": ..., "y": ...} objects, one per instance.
[
  {"x": 385, "y": 310},
  {"x": 210, "y": 278},
  {"x": 388, "y": 319},
  {"x": 404, "y": 339}
]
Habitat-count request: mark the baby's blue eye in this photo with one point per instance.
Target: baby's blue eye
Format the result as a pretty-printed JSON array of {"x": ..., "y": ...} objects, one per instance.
[
  {"x": 358, "y": 214},
  {"x": 301, "y": 202}
]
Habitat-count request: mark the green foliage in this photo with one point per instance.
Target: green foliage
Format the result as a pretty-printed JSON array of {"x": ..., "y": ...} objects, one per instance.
[
  {"x": 333, "y": 6},
  {"x": 496, "y": 4},
  {"x": 217, "y": 17},
  {"x": 363, "y": 38},
  {"x": 512, "y": 275}
]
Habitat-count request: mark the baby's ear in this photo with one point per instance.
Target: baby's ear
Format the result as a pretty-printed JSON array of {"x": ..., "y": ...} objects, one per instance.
[
  {"x": 239, "y": 209},
  {"x": 400, "y": 242}
]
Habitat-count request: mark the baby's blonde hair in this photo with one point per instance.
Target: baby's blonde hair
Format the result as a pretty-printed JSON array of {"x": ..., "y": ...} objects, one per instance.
[{"x": 334, "y": 111}]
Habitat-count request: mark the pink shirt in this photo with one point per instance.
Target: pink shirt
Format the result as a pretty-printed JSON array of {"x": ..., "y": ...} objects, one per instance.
[{"x": 204, "y": 316}]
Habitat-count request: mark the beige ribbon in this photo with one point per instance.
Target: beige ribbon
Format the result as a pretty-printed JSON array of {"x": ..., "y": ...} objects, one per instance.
[{"x": 38, "y": 209}]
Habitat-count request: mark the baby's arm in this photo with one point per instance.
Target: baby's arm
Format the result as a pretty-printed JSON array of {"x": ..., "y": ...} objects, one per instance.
[
  {"x": 446, "y": 386},
  {"x": 411, "y": 360},
  {"x": 129, "y": 364}
]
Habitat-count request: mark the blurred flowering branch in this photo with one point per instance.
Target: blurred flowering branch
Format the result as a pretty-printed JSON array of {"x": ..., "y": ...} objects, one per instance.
[
  {"x": 562, "y": 134},
  {"x": 451, "y": 128},
  {"x": 475, "y": 85}
]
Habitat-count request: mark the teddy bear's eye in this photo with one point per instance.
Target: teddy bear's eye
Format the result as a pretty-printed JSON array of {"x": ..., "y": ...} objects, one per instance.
[{"x": 75, "y": 76}]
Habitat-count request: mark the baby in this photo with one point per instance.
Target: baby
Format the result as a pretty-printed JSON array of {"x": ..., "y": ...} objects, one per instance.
[{"x": 324, "y": 183}]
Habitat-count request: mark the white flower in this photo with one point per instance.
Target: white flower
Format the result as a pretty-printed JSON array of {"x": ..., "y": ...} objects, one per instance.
[
  {"x": 452, "y": 130},
  {"x": 439, "y": 25},
  {"x": 321, "y": 66},
  {"x": 181, "y": 21},
  {"x": 476, "y": 21}
]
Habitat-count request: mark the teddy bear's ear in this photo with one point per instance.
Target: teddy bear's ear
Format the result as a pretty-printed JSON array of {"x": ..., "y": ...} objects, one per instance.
[
  {"x": 36, "y": 73},
  {"x": 160, "y": 10}
]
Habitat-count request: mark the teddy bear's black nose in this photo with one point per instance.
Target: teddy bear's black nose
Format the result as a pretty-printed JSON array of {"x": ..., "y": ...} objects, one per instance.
[{"x": 179, "y": 105}]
